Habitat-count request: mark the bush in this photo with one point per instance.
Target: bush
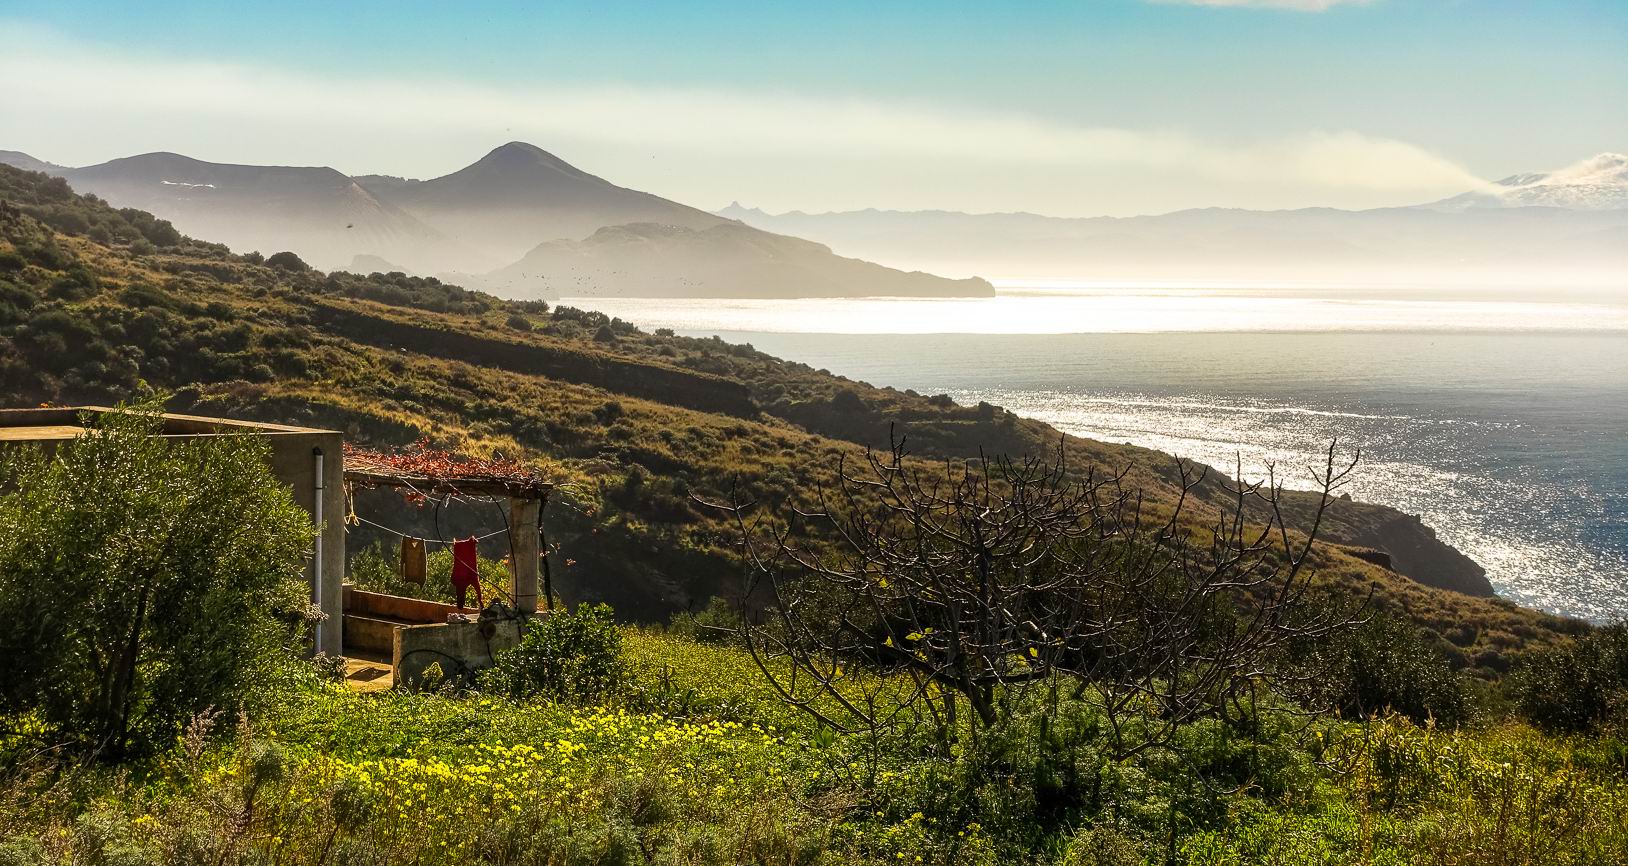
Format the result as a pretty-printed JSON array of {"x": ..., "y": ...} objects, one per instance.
[
  {"x": 1575, "y": 687},
  {"x": 287, "y": 261},
  {"x": 718, "y": 622},
  {"x": 143, "y": 581},
  {"x": 563, "y": 655},
  {"x": 1384, "y": 664}
]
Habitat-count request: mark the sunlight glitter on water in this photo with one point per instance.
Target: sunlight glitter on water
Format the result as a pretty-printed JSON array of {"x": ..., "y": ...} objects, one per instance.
[{"x": 1540, "y": 569}]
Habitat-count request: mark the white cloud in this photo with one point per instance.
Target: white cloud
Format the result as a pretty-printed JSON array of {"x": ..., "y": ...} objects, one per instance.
[
  {"x": 1296, "y": 5},
  {"x": 96, "y": 105}
]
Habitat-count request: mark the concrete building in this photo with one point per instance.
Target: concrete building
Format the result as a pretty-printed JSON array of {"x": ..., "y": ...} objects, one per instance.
[
  {"x": 415, "y": 634},
  {"x": 310, "y": 461}
]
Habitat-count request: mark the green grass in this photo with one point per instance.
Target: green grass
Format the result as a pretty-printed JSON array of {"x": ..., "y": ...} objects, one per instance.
[{"x": 696, "y": 761}]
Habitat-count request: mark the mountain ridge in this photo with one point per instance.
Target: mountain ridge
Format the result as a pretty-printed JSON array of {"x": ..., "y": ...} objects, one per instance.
[
  {"x": 315, "y": 210},
  {"x": 18, "y": 159},
  {"x": 478, "y": 223},
  {"x": 1597, "y": 183},
  {"x": 1466, "y": 241},
  {"x": 1610, "y": 166},
  {"x": 519, "y": 195}
]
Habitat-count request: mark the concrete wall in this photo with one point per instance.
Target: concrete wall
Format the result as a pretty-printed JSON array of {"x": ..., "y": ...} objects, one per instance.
[
  {"x": 406, "y": 611},
  {"x": 293, "y": 461},
  {"x": 370, "y": 636},
  {"x": 459, "y": 647},
  {"x": 373, "y": 618}
]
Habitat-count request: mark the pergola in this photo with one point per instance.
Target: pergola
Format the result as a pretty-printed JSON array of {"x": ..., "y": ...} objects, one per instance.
[{"x": 430, "y": 473}]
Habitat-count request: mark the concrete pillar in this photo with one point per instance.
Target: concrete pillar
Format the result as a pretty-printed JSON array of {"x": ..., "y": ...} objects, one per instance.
[
  {"x": 523, "y": 517},
  {"x": 295, "y": 465}
]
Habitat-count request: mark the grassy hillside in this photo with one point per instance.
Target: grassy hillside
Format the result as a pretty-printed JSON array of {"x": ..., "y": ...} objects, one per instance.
[{"x": 98, "y": 304}]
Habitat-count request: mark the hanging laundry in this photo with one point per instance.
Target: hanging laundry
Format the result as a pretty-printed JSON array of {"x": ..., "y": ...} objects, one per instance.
[
  {"x": 466, "y": 570},
  {"x": 414, "y": 561}
]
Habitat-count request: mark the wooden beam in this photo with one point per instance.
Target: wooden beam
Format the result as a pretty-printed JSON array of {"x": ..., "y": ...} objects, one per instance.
[{"x": 440, "y": 486}]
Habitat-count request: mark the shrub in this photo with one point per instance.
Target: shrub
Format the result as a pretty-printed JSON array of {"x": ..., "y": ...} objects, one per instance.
[
  {"x": 143, "y": 581},
  {"x": 287, "y": 261},
  {"x": 718, "y": 622},
  {"x": 1101, "y": 846},
  {"x": 563, "y": 655},
  {"x": 1385, "y": 663},
  {"x": 847, "y": 401},
  {"x": 1576, "y": 687}
]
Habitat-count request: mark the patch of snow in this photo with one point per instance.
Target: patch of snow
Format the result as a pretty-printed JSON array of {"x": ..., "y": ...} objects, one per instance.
[{"x": 1597, "y": 183}]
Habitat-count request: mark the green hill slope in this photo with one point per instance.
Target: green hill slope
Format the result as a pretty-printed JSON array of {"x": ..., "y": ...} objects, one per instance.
[{"x": 97, "y": 304}]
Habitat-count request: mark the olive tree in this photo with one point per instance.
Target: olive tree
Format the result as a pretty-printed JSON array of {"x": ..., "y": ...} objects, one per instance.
[{"x": 142, "y": 580}]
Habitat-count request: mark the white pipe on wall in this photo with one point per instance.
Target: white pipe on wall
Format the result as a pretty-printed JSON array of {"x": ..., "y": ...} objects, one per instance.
[{"x": 316, "y": 564}]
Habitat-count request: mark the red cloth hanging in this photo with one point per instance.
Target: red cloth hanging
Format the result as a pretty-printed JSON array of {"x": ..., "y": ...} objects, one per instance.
[{"x": 466, "y": 570}]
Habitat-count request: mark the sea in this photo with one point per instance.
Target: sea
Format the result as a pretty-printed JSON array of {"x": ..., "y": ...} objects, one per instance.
[{"x": 1500, "y": 419}]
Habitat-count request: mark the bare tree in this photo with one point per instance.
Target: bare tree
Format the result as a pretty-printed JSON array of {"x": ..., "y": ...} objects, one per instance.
[{"x": 947, "y": 595}]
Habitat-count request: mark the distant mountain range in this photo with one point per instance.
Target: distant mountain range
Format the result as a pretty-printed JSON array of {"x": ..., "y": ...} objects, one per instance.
[
  {"x": 523, "y": 223},
  {"x": 25, "y": 162},
  {"x": 319, "y": 213},
  {"x": 1558, "y": 228},
  {"x": 519, "y": 221}
]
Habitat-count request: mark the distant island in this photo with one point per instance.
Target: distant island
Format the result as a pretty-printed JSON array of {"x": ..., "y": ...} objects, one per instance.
[{"x": 727, "y": 260}]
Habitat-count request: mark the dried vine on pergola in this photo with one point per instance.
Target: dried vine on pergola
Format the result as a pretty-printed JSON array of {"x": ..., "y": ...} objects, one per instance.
[{"x": 446, "y": 471}]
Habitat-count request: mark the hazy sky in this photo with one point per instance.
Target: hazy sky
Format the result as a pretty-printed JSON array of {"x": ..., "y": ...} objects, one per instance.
[{"x": 1072, "y": 108}]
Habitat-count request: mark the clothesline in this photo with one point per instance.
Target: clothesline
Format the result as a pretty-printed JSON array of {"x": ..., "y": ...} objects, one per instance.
[{"x": 360, "y": 519}]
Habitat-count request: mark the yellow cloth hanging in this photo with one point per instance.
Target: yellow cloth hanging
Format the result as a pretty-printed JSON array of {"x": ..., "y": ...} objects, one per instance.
[{"x": 414, "y": 564}]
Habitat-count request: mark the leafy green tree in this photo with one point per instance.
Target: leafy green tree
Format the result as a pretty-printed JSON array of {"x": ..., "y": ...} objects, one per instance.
[{"x": 142, "y": 581}]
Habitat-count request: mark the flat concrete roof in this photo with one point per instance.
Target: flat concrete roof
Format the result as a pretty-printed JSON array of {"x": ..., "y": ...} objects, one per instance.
[
  {"x": 62, "y": 422},
  {"x": 40, "y": 433}
]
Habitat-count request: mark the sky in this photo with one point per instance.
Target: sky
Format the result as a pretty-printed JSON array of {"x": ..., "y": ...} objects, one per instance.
[{"x": 1068, "y": 108}]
